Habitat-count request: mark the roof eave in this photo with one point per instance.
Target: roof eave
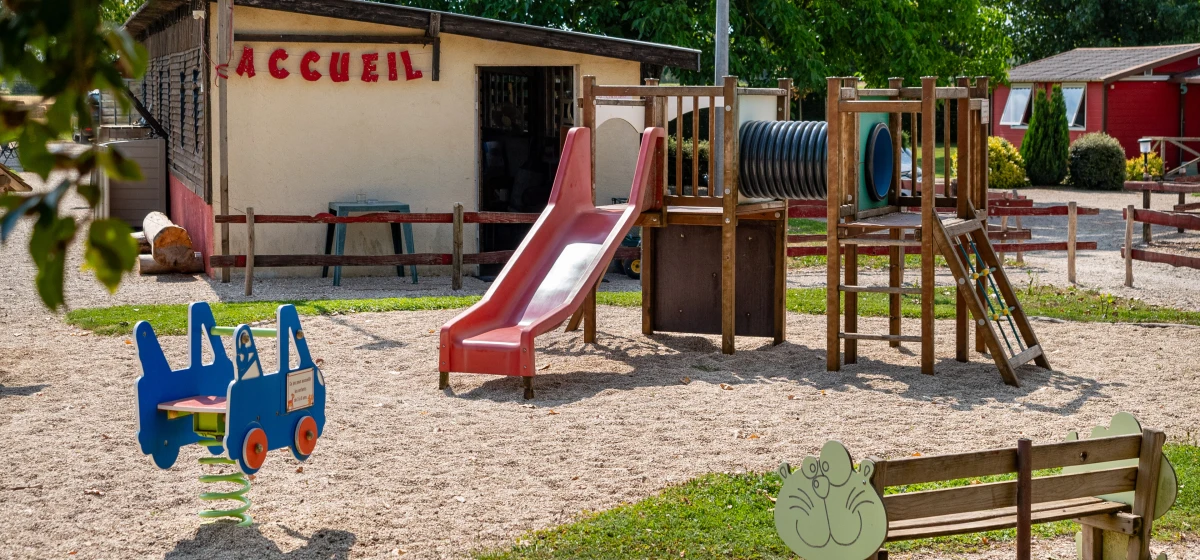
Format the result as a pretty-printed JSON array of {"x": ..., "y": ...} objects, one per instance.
[{"x": 1195, "y": 51}]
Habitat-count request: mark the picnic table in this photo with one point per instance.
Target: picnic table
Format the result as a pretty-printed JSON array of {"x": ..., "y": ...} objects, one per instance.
[{"x": 335, "y": 234}]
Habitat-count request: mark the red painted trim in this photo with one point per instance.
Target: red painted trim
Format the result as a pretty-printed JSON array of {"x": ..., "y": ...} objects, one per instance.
[
  {"x": 1166, "y": 258},
  {"x": 386, "y": 218},
  {"x": 191, "y": 212}
]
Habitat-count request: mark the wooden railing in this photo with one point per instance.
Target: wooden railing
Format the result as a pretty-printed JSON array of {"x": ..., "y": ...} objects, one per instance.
[{"x": 1182, "y": 221}]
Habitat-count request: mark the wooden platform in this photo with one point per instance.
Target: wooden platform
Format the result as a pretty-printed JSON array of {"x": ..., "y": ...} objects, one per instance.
[{"x": 712, "y": 215}]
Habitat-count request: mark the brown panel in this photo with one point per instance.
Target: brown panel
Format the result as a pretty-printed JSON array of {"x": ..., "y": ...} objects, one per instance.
[{"x": 687, "y": 285}]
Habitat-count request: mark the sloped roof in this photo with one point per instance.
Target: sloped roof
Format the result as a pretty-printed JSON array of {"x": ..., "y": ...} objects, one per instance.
[
  {"x": 152, "y": 11},
  {"x": 1100, "y": 64}
]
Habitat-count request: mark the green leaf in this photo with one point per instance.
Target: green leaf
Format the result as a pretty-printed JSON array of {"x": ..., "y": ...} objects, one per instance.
[
  {"x": 110, "y": 251},
  {"x": 48, "y": 247}
]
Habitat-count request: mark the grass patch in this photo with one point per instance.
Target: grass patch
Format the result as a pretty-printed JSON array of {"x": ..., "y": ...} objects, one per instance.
[
  {"x": 1070, "y": 304},
  {"x": 730, "y": 516},
  {"x": 806, "y": 226},
  {"x": 171, "y": 319}
]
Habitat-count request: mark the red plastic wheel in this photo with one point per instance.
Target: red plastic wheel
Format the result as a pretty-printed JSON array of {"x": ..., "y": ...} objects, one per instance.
[
  {"x": 254, "y": 450},
  {"x": 306, "y": 435}
]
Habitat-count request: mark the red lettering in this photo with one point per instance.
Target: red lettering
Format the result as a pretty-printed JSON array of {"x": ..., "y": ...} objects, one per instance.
[
  {"x": 246, "y": 65},
  {"x": 369, "y": 74},
  {"x": 273, "y": 64},
  {"x": 409, "y": 73},
  {"x": 308, "y": 73},
  {"x": 392, "y": 74},
  {"x": 341, "y": 74}
]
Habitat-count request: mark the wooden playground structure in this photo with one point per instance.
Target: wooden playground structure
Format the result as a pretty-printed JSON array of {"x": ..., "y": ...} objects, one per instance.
[{"x": 732, "y": 247}]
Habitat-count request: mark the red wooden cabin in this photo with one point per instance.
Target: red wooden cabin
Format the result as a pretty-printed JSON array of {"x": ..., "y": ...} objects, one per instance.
[{"x": 1127, "y": 92}]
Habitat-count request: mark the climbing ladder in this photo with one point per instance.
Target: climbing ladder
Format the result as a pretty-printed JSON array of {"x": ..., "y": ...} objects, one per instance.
[{"x": 984, "y": 287}]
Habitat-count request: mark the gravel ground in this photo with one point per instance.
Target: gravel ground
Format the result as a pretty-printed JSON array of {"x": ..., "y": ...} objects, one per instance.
[{"x": 404, "y": 467}]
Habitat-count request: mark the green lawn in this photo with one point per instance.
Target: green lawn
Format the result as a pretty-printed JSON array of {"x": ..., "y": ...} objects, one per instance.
[
  {"x": 731, "y": 516},
  {"x": 1063, "y": 303},
  {"x": 806, "y": 226}
]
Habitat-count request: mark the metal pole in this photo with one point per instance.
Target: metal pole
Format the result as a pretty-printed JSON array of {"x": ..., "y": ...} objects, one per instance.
[{"x": 720, "y": 70}]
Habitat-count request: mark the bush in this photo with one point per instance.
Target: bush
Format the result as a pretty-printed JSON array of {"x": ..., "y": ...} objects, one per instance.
[
  {"x": 1135, "y": 170},
  {"x": 1097, "y": 162},
  {"x": 1006, "y": 167},
  {"x": 1047, "y": 139}
]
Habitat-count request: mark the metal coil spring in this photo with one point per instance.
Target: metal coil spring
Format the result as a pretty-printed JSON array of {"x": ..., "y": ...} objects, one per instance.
[
  {"x": 237, "y": 495},
  {"x": 784, "y": 159}
]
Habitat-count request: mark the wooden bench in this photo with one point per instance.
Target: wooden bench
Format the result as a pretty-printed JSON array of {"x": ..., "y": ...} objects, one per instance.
[{"x": 1113, "y": 483}]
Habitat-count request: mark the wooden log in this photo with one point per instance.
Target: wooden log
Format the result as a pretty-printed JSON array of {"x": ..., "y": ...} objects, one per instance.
[
  {"x": 249, "y": 251},
  {"x": 169, "y": 244},
  {"x": 147, "y": 266},
  {"x": 1024, "y": 498},
  {"x": 143, "y": 243}
]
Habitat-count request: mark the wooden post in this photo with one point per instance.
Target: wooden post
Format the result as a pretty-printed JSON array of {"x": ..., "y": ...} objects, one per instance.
[
  {"x": 589, "y": 121},
  {"x": 1020, "y": 254},
  {"x": 833, "y": 358},
  {"x": 895, "y": 254},
  {"x": 850, "y": 252},
  {"x": 1182, "y": 200},
  {"x": 1145, "y": 493},
  {"x": 1072, "y": 222},
  {"x": 224, "y": 45},
  {"x": 249, "y": 251},
  {"x": 1024, "y": 498},
  {"x": 928, "y": 217},
  {"x": 1146, "y": 226},
  {"x": 729, "y": 214},
  {"x": 659, "y": 185},
  {"x": 1129, "y": 246},
  {"x": 962, "y": 315},
  {"x": 1093, "y": 542},
  {"x": 783, "y": 108},
  {"x": 457, "y": 263}
]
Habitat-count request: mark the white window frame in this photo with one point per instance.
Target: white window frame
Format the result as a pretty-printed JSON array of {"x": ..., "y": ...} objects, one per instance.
[
  {"x": 1082, "y": 106},
  {"x": 1022, "y": 123}
]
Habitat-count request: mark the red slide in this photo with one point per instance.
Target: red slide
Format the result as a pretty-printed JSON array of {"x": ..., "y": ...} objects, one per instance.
[{"x": 551, "y": 273}]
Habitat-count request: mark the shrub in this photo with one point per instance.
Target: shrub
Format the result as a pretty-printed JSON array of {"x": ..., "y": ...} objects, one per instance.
[
  {"x": 1135, "y": 169},
  {"x": 1006, "y": 167},
  {"x": 1047, "y": 139},
  {"x": 1097, "y": 162}
]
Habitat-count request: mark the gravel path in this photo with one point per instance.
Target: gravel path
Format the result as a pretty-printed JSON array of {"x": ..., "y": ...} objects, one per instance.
[{"x": 404, "y": 467}]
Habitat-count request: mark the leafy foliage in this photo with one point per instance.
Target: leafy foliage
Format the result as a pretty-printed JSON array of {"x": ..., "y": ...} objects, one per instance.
[
  {"x": 1047, "y": 139},
  {"x": 1006, "y": 167},
  {"x": 1042, "y": 28},
  {"x": 804, "y": 40},
  {"x": 64, "y": 49},
  {"x": 1135, "y": 168},
  {"x": 1097, "y": 162}
]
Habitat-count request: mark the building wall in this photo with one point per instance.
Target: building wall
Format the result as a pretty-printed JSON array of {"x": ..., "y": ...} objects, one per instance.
[
  {"x": 1093, "y": 104},
  {"x": 1137, "y": 109},
  {"x": 296, "y": 145}
]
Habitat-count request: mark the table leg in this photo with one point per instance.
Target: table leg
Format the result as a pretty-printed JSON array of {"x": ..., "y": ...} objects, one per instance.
[
  {"x": 397, "y": 247},
  {"x": 339, "y": 242},
  {"x": 408, "y": 243},
  {"x": 328, "y": 248}
]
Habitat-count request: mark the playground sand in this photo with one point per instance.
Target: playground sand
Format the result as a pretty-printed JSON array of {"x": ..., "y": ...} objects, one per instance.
[{"x": 405, "y": 467}]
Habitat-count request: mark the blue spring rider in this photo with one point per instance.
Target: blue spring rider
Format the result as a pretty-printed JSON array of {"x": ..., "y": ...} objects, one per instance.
[{"x": 244, "y": 411}]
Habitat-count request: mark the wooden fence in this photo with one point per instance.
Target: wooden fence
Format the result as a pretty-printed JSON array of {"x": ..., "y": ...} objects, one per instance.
[
  {"x": 1181, "y": 221},
  {"x": 455, "y": 259}
]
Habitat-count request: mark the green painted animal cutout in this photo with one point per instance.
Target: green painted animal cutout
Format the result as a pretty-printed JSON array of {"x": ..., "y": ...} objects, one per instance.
[
  {"x": 1124, "y": 424},
  {"x": 827, "y": 510}
]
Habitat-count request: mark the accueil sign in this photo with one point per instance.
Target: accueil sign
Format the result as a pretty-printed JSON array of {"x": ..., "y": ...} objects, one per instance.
[{"x": 313, "y": 66}]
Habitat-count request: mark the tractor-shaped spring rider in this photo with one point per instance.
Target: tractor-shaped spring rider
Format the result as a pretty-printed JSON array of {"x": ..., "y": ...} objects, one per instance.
[{"x": 228, "y": 405}]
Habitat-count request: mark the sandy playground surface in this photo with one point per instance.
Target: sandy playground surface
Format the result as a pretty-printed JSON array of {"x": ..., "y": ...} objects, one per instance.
[{"x": 406, "y": 468}]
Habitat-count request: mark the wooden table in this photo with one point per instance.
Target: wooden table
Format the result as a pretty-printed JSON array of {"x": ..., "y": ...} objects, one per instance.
[{"x": 335, "y": 234}]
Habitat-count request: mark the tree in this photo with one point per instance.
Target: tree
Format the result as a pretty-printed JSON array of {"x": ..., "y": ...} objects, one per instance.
[
  {"x": 805, "y": 40},
  {"x": 1047, "y": 139},
  {"x": 1042, "y": 28},
  {"x": 64, "y": 49}
]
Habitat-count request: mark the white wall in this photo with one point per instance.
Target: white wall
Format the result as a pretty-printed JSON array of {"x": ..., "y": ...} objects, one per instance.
[{"x": 295, "y": 145}]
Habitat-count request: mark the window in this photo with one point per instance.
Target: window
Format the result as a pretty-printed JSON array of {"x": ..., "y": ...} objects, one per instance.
[
  {"x": 1016, "y": 110},
  {"x": 1075, "y": 95}
]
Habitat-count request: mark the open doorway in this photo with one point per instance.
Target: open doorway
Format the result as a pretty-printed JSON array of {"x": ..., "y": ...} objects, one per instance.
[{"x": 524, "y": 115}]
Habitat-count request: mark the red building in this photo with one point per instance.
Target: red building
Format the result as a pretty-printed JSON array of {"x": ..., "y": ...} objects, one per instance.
[{"x": 1127, "y": 92}]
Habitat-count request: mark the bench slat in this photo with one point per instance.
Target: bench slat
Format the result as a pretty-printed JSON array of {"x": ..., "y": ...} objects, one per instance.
[
  {"x": 1003, "y": 521},
  {"x": 916, "y": 470},
  {"x": 994, "y": 495},
  {"x": 969, "y": 516}
]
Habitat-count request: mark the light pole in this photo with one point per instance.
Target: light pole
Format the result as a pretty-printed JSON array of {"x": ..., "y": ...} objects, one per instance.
[{"x": 1144, "y": 146}]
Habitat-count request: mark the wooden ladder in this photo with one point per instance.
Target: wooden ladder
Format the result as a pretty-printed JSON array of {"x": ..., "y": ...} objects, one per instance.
[{"x": 983, "y": 285}]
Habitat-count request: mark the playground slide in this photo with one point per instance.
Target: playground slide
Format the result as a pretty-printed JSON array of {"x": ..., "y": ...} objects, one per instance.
[{"x": 547, "y": 279}]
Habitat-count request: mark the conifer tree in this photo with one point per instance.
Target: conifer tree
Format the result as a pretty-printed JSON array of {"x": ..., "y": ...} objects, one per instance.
[{"x": 1047, "y": 139}]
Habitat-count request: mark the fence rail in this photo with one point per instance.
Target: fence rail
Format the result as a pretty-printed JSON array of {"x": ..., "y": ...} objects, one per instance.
[{"x": 1182, "y": 221}]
